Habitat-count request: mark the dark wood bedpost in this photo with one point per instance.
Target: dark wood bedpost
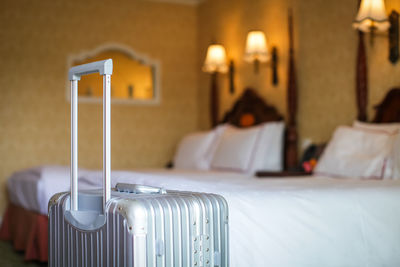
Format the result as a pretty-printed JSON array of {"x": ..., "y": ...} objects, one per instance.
[
  {"x": 214, "y": 99},
  {"x": 361, "y": 79},
  {"x": 291, "y": 132}
]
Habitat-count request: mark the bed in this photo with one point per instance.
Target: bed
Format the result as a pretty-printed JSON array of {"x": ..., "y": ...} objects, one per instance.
[
  {"x": 303, "y": 221},
  {"x": 25, "y": 219},
  {"x": 316, "y": 221}
]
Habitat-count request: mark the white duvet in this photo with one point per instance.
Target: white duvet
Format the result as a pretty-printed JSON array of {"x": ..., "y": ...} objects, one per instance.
[{"x": 310, "y": 221}]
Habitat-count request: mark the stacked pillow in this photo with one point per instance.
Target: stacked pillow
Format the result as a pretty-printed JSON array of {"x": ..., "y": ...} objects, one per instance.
[
  {"x": 233, "y": 149},
  {"x": 390, "y": 128},
  {"x": 195, "y": 151},
  {"x": 365, "y": 150}
]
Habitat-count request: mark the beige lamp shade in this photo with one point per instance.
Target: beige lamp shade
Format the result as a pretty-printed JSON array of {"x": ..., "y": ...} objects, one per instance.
[
  {"x": 371, "y": 15},
  {"x": 256, "y": 47},
  {"x": 215, "y": 59}
]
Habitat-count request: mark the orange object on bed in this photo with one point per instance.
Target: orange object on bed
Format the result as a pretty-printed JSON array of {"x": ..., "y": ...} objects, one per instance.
[{"x": 27, "y": 230}]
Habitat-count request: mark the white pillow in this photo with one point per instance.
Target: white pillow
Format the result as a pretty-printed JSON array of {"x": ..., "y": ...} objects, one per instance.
[
  {"x": 356, "y": 153},
  {"x": 268, "y": 154},
  {"x": 192, "y": 151},
  {"x": 392, "y": 170},
  {"x": 218, "y": 131},
  {"x": 196, "y": 150},
  {"x": 235, "y": 149},
  {"x": 387, "y": 127}
]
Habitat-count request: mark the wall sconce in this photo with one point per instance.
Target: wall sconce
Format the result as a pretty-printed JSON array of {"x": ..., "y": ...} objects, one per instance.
[
  {"x": 257, "y": 52},
  {"x": 372, "y": 17},
  {"x": 215, "y": 59},
  {"x": 215, "y": 63}
]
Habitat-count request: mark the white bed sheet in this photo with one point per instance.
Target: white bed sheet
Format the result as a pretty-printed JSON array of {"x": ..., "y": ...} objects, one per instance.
[{"x": 316, "y": 221}]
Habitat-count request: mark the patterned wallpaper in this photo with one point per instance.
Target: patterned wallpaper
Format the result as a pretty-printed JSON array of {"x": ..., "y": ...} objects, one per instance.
[
  {"x": 326, "y": 47},
  {"x": 38, "y": 36}
]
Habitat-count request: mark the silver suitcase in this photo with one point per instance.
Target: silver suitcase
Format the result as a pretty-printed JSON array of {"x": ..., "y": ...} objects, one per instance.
[{"x": 132, "y": 225}]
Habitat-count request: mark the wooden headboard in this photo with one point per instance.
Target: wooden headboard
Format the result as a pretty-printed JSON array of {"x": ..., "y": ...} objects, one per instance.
[
  {"x": 249, "y": 110},
  {"x": 389, "y": 109}
]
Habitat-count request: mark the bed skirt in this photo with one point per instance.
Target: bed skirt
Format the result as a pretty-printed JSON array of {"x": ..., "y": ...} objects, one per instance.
[{"x": 27, "y": 230}]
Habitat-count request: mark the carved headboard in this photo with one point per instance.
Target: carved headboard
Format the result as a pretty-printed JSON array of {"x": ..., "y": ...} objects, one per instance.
[
  {"x": 389, "y": 109},
  {"x": 249, "y": 110}
]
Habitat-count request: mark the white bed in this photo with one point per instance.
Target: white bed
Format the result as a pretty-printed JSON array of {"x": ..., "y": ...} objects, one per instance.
[{"x": 310, "y": 221}]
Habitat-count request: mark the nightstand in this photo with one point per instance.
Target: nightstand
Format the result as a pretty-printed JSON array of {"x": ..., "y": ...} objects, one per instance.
[{"x": 286, "y": 174}]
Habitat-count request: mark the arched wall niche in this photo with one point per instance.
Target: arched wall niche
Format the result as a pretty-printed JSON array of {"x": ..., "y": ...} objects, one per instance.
[{"x": 135, "y": 79}]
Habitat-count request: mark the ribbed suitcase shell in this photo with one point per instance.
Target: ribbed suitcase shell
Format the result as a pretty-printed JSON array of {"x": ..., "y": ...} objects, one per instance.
[
  {"x": 182, "y": 229},
  {"x": 150, "y": 227}
]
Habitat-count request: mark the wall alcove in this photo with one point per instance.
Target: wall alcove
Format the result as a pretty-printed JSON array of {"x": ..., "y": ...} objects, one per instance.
[{"x": 135, "y": 79}]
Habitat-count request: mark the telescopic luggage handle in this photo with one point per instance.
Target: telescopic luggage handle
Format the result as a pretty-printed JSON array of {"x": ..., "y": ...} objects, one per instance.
[{"x": 104, "y": 68}]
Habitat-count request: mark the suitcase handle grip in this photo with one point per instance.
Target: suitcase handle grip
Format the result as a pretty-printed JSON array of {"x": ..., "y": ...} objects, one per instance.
[
  {"x": 102, "y": 67},
  {"x": 139, "y": 189}
]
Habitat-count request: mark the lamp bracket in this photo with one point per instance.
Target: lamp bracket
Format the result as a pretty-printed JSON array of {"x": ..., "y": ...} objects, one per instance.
[
  {"x": 231, "y": 77},
  {"x": 274, "y": 65}
]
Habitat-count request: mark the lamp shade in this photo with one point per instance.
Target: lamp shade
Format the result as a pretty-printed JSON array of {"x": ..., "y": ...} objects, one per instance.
[
  {"x": 256, "y": 47},
  {"x": 371, "y": 15},
  {"x": 215, "y": 59}
]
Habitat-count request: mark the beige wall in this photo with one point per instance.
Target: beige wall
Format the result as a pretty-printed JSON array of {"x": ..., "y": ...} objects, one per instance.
[
  {"x": 37, "y": 37},
  {"x": 325, "y": 52},
  {"x": 228, "y": 22}
]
